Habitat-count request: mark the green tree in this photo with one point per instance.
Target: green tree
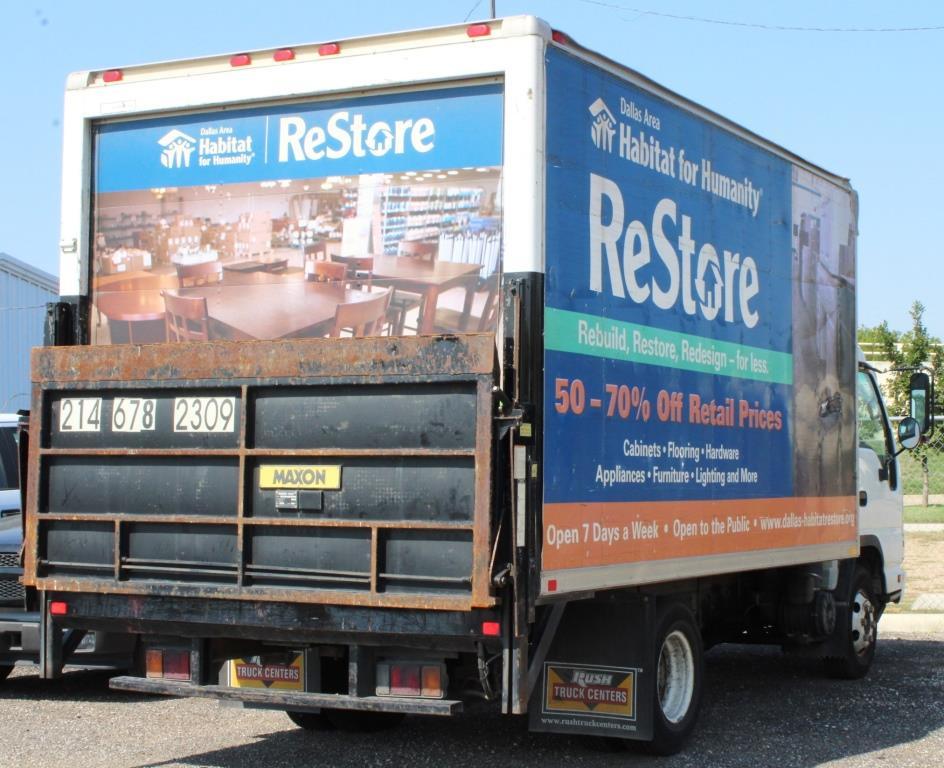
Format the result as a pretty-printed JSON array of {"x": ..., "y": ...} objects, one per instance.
[
  {"x": 878, "y": 342},
  {"x": 915, "y": 348}
]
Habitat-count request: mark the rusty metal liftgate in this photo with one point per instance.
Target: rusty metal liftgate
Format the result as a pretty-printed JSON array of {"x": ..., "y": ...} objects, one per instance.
[{"x": 343, "y": 471}]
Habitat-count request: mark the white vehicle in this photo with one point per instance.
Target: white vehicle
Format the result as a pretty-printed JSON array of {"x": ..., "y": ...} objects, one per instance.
[{"x": 500, "y": 365}]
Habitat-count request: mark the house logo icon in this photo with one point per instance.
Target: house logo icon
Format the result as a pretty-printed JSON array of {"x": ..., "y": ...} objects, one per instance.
[
  {"x": 708, "y": 286},
  {"x": 178, "y": 147},
  {"x": 604, "y": 126}
]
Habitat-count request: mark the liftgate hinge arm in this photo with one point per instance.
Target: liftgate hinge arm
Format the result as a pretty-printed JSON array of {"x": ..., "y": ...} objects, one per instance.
[{"x": 509, "y": 414}]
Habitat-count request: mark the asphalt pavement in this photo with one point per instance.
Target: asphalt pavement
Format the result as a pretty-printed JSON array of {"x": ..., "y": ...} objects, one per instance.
[{"x": 761, "y": 708}]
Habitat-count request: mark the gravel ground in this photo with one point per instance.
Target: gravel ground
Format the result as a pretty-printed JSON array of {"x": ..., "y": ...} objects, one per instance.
[{"x": 760, "y": 709}]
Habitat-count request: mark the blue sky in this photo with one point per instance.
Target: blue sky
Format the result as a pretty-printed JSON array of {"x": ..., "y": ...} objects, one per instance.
[{"x": 866, "y": 105}]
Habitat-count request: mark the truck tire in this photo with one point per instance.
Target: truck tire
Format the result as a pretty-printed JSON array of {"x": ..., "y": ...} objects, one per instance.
[
  {"x": 857, "y": 630},
  {"x": 5, "y": 670},
  {"x": 310, "y": 721},
  {"x": 679, "y": 669}
]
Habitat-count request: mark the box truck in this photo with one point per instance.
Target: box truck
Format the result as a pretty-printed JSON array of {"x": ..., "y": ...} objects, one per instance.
[{"x": 464, "y": 359}]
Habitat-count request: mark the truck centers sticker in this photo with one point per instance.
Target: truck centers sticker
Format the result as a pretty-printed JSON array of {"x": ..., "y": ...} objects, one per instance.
[
  {"x": 597, "y": 692},
  {"x": 277, "y": 672}
]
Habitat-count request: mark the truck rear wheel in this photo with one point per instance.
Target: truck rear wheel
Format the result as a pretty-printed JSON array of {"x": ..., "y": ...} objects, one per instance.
[
  {"x": 679, "y": 669},
  {"x": 857, "y": 628}
]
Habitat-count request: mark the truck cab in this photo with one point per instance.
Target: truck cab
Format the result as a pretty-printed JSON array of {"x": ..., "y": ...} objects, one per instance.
[{"x": 881, "y": 530}]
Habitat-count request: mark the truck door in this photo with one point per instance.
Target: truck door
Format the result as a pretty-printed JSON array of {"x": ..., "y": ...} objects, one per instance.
[{"x": 880, "y": 516}]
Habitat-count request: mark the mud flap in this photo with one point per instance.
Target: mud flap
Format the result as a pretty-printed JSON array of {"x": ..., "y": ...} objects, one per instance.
[{"x": 598, "y": 677}]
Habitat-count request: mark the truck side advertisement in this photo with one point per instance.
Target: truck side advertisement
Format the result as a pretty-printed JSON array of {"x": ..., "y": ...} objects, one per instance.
[{"x": 699, "y": 395}]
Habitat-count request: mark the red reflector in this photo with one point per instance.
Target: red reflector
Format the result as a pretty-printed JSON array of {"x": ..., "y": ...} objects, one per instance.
[
  {"x": 405, "y": 680},
  {"x": 284, "y": 54},
  {"x": 240, "y": 60},
  {"x": 329, "y": 49},
  {"x": 177, "y": 665},
  {"x": 112, "y": 75},
  {"x": 552, "y": 585},
  {"x": 559, "y": 37},
  {"x": 58, "y": 608},
  {"x": 491, "y": 628},
  {"x": 479, "y": 30}
]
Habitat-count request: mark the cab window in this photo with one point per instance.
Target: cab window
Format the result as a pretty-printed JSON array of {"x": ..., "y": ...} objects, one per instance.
[{"x": 872, "y": 433}]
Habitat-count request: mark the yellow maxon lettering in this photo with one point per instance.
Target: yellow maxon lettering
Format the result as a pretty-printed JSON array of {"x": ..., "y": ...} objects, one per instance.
[{"x": 304, "y": 477}]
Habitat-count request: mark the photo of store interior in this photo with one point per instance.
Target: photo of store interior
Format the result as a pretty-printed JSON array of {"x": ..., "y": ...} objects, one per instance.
[{"x": 397, "y": 254}]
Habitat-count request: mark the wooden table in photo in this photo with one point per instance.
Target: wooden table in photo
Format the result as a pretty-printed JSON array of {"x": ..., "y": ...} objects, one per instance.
[
  {"x": 427, "y": 278},
  {"x": 248, "y": 310},
  {"x": 139, "y": 314}
]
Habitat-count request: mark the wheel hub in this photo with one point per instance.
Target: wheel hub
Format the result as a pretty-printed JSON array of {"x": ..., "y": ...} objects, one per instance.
[
  {"x": 675, "y": 676},
  {"x": 864, "y": 623}
]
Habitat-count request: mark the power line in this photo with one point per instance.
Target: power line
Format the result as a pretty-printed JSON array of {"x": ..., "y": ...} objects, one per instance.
[
  {"x": 469, "y": 14},
  {"x": 750, "y": 25}
]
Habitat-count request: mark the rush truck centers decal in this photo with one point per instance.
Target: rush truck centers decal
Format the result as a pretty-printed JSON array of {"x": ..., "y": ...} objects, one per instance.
[
  {"x": 584, "y": 690},
  {"x": 279, "y": 672}
]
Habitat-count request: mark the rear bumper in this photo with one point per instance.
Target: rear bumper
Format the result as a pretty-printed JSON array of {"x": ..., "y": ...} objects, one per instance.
[
  {"x": 289, "y": 700},
  {"x": 273, "y": 622}
]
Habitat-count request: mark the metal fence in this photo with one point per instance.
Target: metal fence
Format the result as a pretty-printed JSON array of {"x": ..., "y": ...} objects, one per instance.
[{"x": 922, "y": 470}]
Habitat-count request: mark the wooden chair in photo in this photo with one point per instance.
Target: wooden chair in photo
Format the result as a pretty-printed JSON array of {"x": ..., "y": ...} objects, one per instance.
[
  {"x": 360, "y": 271},
  {"x": 402, "y": 301},
  {"x": 192, "y": 275},
  {"x": 362, "y": 318},
  {"x": 479, "y": 310},
  {"x": 185, "y": 317},
  {"x": 328, "y": 272}
]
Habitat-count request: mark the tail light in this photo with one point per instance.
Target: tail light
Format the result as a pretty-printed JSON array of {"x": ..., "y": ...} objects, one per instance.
[
  {"x": 154, "y": 662},
  {"x": 405, "y": 680},
  {"x": 411, "y": 678},
  {"x": 167, "y": 663}
]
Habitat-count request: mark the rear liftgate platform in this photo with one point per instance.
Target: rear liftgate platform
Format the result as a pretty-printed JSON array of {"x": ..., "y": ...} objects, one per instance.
[{"x": 334, "y": 472}]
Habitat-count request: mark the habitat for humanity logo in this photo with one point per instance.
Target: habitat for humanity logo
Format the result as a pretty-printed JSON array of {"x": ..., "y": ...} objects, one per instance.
[
  {"x": 604, "y": 126},
  {"x": 178, "y": 147},
  {"x": 218, "y": 145}
]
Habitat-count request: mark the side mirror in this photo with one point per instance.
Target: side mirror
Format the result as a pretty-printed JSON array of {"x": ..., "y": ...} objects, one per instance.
[
  {"x": 920, "y": 390},
  {"x": 909, "y": 433}
]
